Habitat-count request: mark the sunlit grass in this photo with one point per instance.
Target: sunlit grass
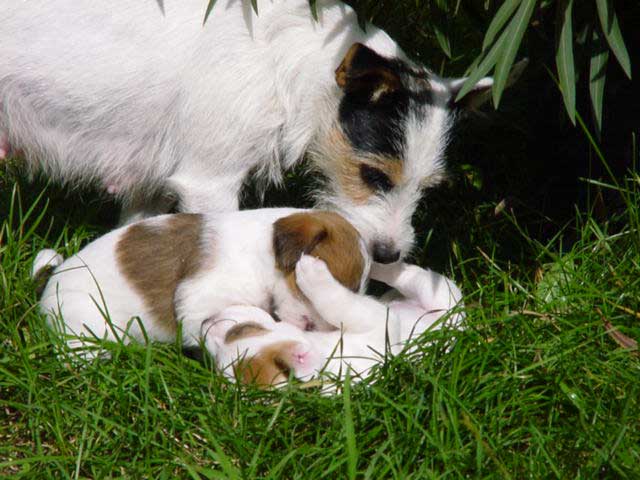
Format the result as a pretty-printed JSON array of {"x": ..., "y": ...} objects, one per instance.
[{"x": 535, "y": 387}]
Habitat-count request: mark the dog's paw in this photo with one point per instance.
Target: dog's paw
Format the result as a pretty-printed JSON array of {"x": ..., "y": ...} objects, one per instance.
[{"x": 312, "y": 274}]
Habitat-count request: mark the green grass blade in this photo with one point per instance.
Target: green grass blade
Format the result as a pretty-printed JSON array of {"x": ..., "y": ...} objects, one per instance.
[
  {"x": 501, "y": 17},
  {"x": 226, "y": 465},
  {"x": 352, "y": 452},
  {"x": 597, "y": 76},
  {"x": 210, "y": 6},
  {"x": 314, "y": 9},
  {"x": 564, "y": 59},
  {"x": 611, "y": 30},
  {"x": 515, "y": 33}
]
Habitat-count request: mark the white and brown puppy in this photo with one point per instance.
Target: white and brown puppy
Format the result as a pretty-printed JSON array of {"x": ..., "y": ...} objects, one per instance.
[
  {"x": 142, "y": 99},
  {"x": 183, "y": 269},
  {"x": 251, "y": 346}
]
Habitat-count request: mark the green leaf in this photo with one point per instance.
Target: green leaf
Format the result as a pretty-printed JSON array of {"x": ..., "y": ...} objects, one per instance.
[
  {"x": 564, "y": 59},
  {"x": 483, "y": 66},
  {"x": 597, "y": 76},
  {"x": 611, "y": 30},
  {"x": 254, "y": 4},
  {"x": 208, "y": 11},
  {"x": 515, "y": 33},
  {"x": 503, "y": 14},
  {"x": 443, "y": 40}
]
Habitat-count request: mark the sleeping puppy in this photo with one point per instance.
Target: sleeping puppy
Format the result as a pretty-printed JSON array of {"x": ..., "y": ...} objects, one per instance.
[
  {"x": 183, "y": 269},
  {"x": 252, "y": 347}
]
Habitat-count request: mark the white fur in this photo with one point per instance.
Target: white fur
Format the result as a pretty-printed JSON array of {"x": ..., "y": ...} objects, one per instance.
[
  {"x": 142, "y": 99},
  {"x": 363, "y": 324},
  {"x": 89, "y": 295}
]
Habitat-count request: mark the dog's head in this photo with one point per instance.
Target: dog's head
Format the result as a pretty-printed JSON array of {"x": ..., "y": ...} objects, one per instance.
[
  {"x": 249, "y": 345},
  {"x": 325, "y": 235},
  {"x": 386, "y": 145}
]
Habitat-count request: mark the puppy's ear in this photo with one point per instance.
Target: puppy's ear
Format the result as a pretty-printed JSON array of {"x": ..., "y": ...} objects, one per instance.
[
  {"x": 268, "y": 367},
  {"x": 366, "y": 74},
  {"x": 294, "y": 235}
]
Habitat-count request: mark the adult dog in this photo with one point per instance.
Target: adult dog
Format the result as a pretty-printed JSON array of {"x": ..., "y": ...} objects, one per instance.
[{"x": 145, "y": 101}]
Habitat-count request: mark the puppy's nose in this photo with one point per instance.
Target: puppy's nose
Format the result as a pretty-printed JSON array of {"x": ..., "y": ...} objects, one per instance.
[{"x": 384, "y": 252}]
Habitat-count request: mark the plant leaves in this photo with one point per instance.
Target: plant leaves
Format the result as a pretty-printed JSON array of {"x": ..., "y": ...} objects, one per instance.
[
  {"x": 443, "y": 40},
  {"x": 503, "y": 14},
  {"x": 597, "y": 76},
  {"x": 564, "y": 59},
  {"x": 484, "y": 65},
  {"x": 208, "y": 11},
  {"x": 515, "y": 33},
  {"x": 611, "y": 30}
]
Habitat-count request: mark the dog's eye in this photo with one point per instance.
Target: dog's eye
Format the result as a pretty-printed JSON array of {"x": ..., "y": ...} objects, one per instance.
[
  {"x": 282, "y": 366},
  {"x": 375, "y": 178}
]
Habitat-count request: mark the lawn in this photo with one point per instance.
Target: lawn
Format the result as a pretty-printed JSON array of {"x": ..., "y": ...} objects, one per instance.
[{"x": 541, "y": 384}]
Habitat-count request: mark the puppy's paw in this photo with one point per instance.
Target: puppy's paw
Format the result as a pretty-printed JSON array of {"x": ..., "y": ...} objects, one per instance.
[{"x": 312, "y": 274}]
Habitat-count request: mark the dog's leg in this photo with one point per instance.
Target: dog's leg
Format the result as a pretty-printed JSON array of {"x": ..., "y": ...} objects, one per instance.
[
  {"x": 334, "y": 302},
  {"x": 430, "y": 289},
  {"x": 201, "y": 192}
]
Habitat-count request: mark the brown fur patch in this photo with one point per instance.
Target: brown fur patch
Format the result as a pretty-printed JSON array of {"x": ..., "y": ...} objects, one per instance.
[
  {"x": 244, "y": 330},
  {"x": 345, "y": 165},
  {"x": 325, "y": 235},
  {"x": 155, "y": 258},
  {"x": 269, "y": 367}
]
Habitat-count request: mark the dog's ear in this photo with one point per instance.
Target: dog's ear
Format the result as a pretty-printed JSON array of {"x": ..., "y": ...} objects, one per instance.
[
  {"x": 481, "y": 91},
  {"x": 325, "y": 235},
  {"x": 365, "y": 73},
  {"x": 270, "y": 366},
  {"x": 294, "y": 235}
]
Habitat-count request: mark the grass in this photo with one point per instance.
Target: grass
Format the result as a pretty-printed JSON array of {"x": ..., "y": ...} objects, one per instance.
[{"x": 535, "y": 387}]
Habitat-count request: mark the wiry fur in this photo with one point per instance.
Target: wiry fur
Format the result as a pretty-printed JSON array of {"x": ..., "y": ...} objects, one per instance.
[{"x": 146, "y": 102}]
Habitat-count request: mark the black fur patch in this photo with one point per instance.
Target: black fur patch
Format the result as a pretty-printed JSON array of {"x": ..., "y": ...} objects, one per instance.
[
  {"x": 375, "y": 127},
  {"x": 379, "y": 93}
]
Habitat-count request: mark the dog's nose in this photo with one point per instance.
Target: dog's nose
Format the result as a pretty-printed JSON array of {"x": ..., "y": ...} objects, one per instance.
[{"x": 385, "y": 253}]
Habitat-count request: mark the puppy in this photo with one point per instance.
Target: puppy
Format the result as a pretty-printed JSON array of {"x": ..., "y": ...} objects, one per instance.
[
  {"x": 182, "y": 269},
  {"x": 148, "y": 103},
  {"x": 251, "y": 346}
]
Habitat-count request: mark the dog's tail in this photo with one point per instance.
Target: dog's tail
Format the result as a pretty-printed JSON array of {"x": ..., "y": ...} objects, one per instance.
[{"x": 43, "y": 266}]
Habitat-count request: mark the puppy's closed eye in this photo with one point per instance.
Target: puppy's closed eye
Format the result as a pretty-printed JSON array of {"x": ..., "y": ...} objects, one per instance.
[
  {"x": 244, "y": 330},
  {"x": 281, "y": 365},
  {"x": 375, "y": 178}
]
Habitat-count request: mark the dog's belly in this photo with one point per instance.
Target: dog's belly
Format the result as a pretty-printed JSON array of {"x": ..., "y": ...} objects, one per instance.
[{"x": 129, "y": 93}]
